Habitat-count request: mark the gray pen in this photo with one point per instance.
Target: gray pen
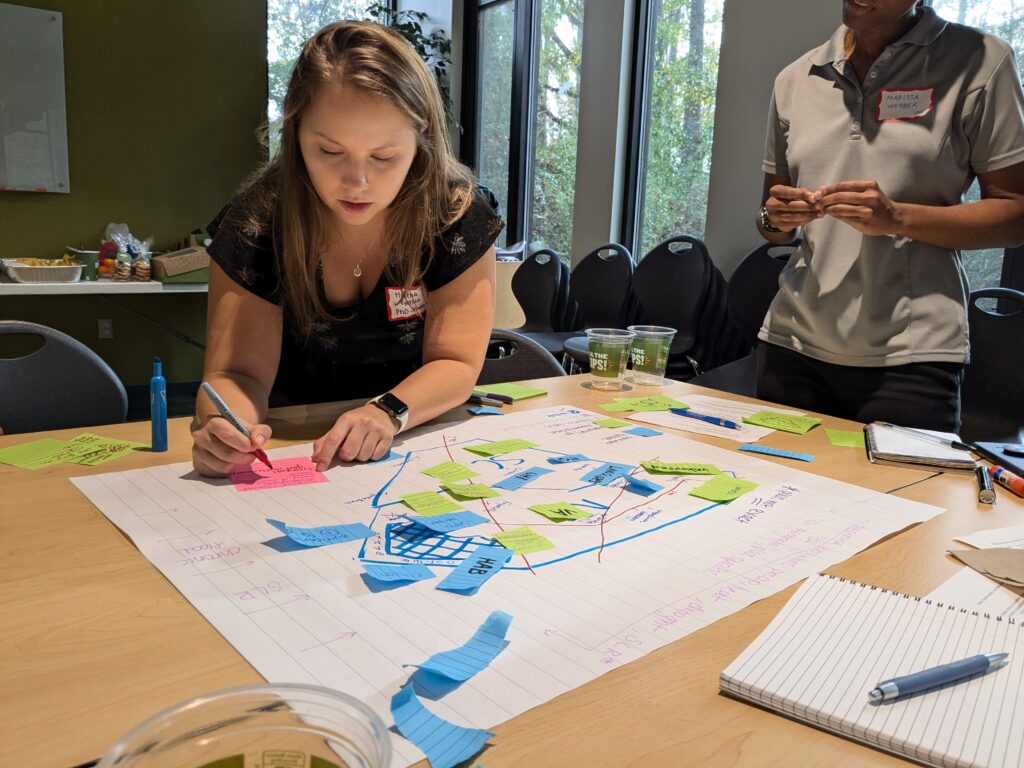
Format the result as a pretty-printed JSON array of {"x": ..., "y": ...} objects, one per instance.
[
  {"x": 228, "y": 414},
  {"x": 936, "y": 676}
]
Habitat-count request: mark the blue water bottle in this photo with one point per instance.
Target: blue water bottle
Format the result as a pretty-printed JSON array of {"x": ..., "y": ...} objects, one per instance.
[{"x": 158, "y": 407}]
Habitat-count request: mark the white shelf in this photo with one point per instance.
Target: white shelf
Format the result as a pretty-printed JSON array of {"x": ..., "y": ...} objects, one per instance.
[{"x": 98, "y": 286}]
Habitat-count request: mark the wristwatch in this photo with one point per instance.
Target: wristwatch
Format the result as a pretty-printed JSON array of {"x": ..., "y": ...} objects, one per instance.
[
  {"x": 765, "y": 222},
  {"x": 393, "y": 407}
]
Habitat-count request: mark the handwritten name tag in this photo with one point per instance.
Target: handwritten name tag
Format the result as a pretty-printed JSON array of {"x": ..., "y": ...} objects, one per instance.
[
  {"x": 404, "y": 305},
  {"x": 905, "y": 103}
]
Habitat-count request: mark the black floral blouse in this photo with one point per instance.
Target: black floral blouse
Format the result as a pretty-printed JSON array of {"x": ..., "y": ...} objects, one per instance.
[{"x": 369, "y": 347}]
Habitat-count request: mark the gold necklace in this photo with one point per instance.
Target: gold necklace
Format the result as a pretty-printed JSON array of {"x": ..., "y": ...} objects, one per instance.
[{"x": 357, "y": 270}]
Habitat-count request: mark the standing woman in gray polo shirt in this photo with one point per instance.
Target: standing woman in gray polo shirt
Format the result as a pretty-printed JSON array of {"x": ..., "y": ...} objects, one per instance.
[{"x": 873, "y": 138}]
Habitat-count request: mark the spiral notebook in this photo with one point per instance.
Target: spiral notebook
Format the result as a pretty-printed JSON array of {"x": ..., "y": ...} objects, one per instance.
[
  {"x": 893, "y": 446},
  {"x": 836, "y": 639}
]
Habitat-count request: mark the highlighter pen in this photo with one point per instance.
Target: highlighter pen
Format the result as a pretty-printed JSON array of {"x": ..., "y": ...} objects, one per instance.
[
  {"x": 1007, "y": 479},
  {"x": 704, "y": 417},
  {"x": 986, "y": 494},
  {"x": 226, "y": 412}
]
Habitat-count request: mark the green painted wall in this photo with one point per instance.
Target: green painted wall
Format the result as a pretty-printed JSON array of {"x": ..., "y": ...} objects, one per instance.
[{"x": 164, "y": 100}]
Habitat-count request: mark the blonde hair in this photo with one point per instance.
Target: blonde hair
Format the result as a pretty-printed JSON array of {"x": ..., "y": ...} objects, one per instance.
[{"x": 437, "y": 190}]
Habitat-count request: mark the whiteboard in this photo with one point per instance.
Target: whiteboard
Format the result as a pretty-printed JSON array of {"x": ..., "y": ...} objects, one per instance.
[{"x": 33, "y": 115}]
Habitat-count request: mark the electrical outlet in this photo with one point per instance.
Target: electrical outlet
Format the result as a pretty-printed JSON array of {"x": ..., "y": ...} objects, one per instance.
[{"x": 106, "y": 328}]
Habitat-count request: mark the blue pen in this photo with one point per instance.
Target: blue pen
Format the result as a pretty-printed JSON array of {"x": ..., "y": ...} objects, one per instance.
[
  {"x": 704, "y": 417},
  {"x": 936, "y": 676}
]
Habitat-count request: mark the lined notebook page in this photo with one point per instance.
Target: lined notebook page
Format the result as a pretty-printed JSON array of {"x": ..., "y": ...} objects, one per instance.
[{"x": 836, "y": 639}]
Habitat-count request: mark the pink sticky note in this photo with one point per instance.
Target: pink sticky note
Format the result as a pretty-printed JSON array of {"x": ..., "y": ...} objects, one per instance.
[{"x": 286, "y": 473}]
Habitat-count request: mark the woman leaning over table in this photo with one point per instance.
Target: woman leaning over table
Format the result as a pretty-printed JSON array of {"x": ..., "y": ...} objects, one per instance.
[
  {"x": 358, "y": 263},
  {"x": 873, "y": 138}
]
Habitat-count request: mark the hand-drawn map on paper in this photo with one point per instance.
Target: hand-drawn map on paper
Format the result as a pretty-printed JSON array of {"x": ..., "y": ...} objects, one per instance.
[{"x": 631, "y": 567}]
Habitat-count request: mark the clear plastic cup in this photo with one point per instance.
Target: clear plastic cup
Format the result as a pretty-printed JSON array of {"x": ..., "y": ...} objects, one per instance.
[
  {"x": 258, "y": 726},
  {"x": 649, "y": 353},
  {"x": 608, "y": 350}
]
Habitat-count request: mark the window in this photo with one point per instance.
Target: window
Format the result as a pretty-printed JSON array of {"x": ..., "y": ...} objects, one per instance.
[
  {"x": 289, "y": 24},
  {"x": 1005, "y": 19},
  {"x": 675, "y": 114}
]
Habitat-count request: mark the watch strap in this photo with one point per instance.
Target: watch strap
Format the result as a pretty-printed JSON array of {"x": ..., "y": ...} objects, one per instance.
[
  {"x": 400, "y": 420},
  {"x": 765, "y": 220}
]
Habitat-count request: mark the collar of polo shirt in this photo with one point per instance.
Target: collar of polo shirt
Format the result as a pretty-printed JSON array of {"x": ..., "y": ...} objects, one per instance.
[{"x": 923, "y": 33}]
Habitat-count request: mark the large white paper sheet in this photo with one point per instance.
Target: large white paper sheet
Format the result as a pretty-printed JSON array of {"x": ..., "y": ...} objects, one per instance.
[{"x": 641, "y": 572}]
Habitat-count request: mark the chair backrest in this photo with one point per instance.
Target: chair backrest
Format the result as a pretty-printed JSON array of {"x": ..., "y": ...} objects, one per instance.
[
  {"x": 599, "y": 287},
  {"x": 61, "y": 384},
  {"x": 992, "y": 397},
  {"x": 514, "y": 357},
  {"x": 753, "y": 286},
  {"x": 536, "y": 286}
]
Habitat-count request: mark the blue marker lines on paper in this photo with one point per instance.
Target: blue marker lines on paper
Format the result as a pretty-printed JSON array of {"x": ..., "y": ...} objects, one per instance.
[
  {"x": 414, "y": 542},
  {"x": 643, "y": 432},
  {"x": 450, "y": 522},
  {"x": 475, "y": 655},
  {"x": 642, "y": 486},
  {"x": 324, "y": 534},
  {"x": 445, "y": 744},
  {"x": 477, "y": 568},
  {"x": 569, "y": 459},
  {"x": 403, "y": 572},
  {"x": 519, "y": 479},
  {"x": 606, "y": 473},
  {"x": 751, "y": 448}
]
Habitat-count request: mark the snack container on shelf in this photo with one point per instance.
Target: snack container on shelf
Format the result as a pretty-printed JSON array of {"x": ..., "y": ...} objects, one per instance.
[{"x": 22, "y": 272}]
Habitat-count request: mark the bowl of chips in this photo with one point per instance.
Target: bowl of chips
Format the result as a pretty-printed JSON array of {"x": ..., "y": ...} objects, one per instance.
[{"x": 63, "y": 270}]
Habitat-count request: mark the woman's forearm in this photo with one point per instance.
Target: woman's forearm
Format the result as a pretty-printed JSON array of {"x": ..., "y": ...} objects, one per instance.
[
  {"x": 435, "y": 388},
  {"x": 990, "y": 223}
]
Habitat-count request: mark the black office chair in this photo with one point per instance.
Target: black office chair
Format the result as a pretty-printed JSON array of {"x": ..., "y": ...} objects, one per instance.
[
  {"x": 992, "y": 396},
  {"x": 536, "y": 286},
  {"x": 750, "y": 292},
  {"x": 598, "y": 290},
  {"x": 61, "y": 384},
  {"x": 512, "y": 356}
]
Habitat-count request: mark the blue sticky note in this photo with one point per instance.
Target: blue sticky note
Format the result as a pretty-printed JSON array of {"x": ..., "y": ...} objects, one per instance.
[
  {"x": 475, "y": 655},
  {"x": 485, "y": 410},
  {"x": 478, "y": 567},
  {"x": 399, "y": 572},
  {"x": 451, "y": 521},
  {"x": 751, "y": 448},
  {"x": 324, "y": 534},
  {"x": 643, "y": 432},
  {"x": 567, "y": 459},
  {"x": 386, "y": 457},
  {"x": 641, "y": 486},
  {"x": 445, "y": 744},
  {"x": 606, "y": 473},
  {"x": 519, "y": 479}
]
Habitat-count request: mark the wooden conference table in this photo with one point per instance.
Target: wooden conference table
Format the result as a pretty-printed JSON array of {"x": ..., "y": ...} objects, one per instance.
[{"x": 96, "y": 640}]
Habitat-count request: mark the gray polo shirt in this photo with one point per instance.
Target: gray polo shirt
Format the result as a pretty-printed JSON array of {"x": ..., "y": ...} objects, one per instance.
[{"x": 939, "y": 106}]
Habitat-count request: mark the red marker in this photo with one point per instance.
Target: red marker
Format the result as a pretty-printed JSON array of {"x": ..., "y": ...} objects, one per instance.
[{"x": 1007, "y": 479}]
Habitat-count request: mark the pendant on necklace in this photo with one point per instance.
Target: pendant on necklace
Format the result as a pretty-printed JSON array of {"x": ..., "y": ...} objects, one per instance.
[{"x": 358, "y": 271}]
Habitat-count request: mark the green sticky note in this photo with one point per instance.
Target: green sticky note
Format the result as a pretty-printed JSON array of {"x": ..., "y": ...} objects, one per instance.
[
  {"x": 471, "y": 491},
  {"x": 428, "y": 503},
  {"x": 783, "y": 421},
  {"x": 523, "y": 541},
  {"x": 34, "y": 454},
  {"x": 723, "y": 488},
  {"x": 450, "y": 472},
  {"x": 680, "y": 468},
  {"x": 501, "y": 446},
  {"x": 615, "y": 407},
  {"x": 846, "y": 438},
  {"x": 611, "y": 423},
  {"x": 92, "y": 450},
  {"x": 515, "y": 391},
  {"x": 651, "y": 403},
  {"x": 559, "y": 511}
]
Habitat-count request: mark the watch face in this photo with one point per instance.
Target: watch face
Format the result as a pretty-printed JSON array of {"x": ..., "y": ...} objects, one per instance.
[{"x": 393, "y": 404}]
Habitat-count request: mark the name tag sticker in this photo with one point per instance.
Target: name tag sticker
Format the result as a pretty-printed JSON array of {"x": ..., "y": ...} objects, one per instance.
[
  {"x": 404, "y": 305},
  {"x": 905, "y": 103}
]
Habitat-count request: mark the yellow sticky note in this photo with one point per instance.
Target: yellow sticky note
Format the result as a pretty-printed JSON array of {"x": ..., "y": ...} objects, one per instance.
[
  {"x": 34, "y": 454},
  {"x": 523, "y": 541},
  {"x": 515, "y": 391},
  {"x": 723, "y": 488},
  {"x": 559, "y": 511},
  {"x": 846, "y": 438},
  {"x": 428, "y": 503},
  {"x": 450, "y": 472},
  {"x": 783, "y": 421},
  {"x": 611, "y": 423},
  {"x": 680, "y": 468},
  {"x": 501, "y": 446},
  {"x": 651, "y": 403},
  {"x": 471, "y": 490},
  {"x": 91, "y": 450},
  {"x": 615, "y": 407}
]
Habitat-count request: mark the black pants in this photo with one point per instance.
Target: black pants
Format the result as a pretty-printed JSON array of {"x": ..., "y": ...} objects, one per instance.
[{"x": 922, "y": 395}]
